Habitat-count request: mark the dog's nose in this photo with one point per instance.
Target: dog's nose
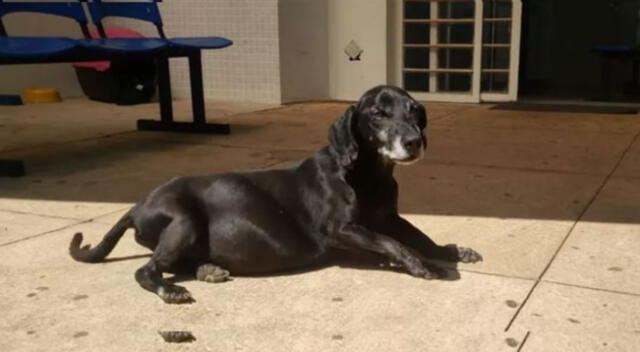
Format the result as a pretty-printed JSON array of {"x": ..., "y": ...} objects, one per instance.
[{"x": 412, "y": 144}]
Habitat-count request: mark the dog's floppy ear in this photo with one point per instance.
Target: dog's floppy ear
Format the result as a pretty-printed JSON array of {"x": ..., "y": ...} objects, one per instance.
[
  {"x": 422, "y": 116},
  {"x": 342, "y": 139}
]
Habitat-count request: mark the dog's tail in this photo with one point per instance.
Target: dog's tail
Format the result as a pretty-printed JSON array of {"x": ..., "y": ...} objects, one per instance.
[{"x": 98, "y": 253}]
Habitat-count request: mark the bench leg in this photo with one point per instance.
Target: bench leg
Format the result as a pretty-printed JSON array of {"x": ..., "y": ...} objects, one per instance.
[
  {"x": 166, "y": 123},
  {"x": 197, "y": 88},
  {"x": 164, "y": 89},
  {"x": 12, "y": 168},
  {"x": 607, "y": 79}
]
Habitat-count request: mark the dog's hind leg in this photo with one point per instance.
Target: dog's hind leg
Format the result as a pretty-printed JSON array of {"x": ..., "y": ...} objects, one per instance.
[
  {"x": 176, "y": 241},
  {"x": 211, "y": 273}
]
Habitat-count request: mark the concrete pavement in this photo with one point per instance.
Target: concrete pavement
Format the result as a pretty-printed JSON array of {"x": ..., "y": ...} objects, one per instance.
[{"x": 551, "y": 200}]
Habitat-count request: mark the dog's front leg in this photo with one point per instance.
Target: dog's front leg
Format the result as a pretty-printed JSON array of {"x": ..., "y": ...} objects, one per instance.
[
  {"x": 410, "y": 236},
  {"x": 360, "y": 238}
]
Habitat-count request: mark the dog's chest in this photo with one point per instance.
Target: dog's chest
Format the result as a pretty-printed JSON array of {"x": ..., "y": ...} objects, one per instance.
[{"x": 374, "y": 203}]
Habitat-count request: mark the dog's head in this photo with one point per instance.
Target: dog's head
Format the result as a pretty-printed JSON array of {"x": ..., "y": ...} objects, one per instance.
[{"x": 386, "y": 120}]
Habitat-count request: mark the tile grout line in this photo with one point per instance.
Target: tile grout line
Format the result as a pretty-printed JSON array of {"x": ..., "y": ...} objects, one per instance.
[
  {"x": 506, "y": 276},
  {"x": 508, "y": 168},
  {"x": 40, "y": 215},
  {"x": 40, "y": 146},
  {"x": 230, "y": 146},
  {"x": 43, "y": 233},
  {"x": 526, "y": 128},
  {"x": 111, "y": 212},
  {"x": 633, "y": 294},
  {"x": 566, "y": 237},
  {"x": 79, "y": 222}
]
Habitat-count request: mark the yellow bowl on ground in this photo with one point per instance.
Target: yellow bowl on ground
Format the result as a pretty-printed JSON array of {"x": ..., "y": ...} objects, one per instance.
[{"x": 41, "y": 95}]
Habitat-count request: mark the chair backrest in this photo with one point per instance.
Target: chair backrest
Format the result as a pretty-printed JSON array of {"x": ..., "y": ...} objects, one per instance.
[
  {"x": 141, "y": 10},
  {"x": 69, "y": 9}
]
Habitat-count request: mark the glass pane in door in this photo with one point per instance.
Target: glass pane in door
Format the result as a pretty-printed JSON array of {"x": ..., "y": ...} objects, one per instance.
[
  {"x": 496, "y": 45},
  {"x": 438, "y": 45},
  {"x": 458, "y": 50}
]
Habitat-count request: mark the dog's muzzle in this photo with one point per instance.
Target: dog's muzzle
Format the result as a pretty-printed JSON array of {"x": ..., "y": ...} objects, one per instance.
[
  {"x": 414, "y": 148},
  {"x": 412, "y": 145},
  {"x": 404, "y": 150}
]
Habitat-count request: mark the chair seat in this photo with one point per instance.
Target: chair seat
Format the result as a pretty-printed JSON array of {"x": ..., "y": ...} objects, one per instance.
[
  {"x": 125, "y": 45},
  {"x": 35, "y": 47},
  {"x": 614, "y": 49},
  {"x": 200, "y": 42}
]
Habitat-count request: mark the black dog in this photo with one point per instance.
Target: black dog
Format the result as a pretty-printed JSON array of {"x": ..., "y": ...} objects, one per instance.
[{"x": 342, "y": 197}]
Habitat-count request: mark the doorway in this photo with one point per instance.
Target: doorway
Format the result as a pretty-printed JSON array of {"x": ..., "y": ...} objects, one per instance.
[{"x": 562, "y": 54}]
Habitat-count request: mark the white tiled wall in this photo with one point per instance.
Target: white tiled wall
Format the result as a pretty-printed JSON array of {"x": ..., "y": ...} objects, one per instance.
[
  {"x": 247, "y": 71},
  {"x": 309, "y": 63}
]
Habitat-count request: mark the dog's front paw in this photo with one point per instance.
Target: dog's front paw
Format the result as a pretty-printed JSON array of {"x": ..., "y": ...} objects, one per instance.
[
  {"x": 468, "y": 255},
  {"x": 175, "y": 294}
]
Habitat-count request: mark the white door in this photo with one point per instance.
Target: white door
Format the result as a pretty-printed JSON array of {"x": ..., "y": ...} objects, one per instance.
[{"x": 457, "y": 50}]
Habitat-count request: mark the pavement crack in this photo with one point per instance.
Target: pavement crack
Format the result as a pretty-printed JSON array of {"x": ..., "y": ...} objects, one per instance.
[{"x": 524, "y": 340}]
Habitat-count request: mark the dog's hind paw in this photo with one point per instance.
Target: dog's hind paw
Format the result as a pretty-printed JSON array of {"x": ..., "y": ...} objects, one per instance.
[
  {"x": 430, "y": 276},
  {"x": 468, "y": 255},
  {"x": 175, "y": 294},
  {"x": 435, "y": 272},
  {"x": 211, "y": 273}
]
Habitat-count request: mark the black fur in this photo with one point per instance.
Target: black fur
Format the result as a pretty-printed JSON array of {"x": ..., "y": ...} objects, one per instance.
[
  {"x": 342, "y": 197},
  {"x": 342, "y": 140}
]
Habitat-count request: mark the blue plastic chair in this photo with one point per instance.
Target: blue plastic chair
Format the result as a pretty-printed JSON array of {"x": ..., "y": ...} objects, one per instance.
[
  {"x": 190, "y": 47},
  {"x": 149, "y": 12},
  {"x": 201, "y": 42},
  {"x": 32, "y": 48},
  {"x": 142, "y": 11},
  {"x": 26, "y": 48},
  {"x": 114, "y": 46}
]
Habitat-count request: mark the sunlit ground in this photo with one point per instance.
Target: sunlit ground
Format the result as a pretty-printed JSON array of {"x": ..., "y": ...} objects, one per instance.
[{"x": 550, "y": 199}]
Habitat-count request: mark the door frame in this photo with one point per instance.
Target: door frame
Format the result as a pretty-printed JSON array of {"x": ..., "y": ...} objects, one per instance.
[{"x": 475, "y": 95}]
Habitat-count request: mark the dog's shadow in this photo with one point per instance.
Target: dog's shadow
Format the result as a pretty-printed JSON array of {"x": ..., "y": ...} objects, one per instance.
[{"x": 447, "y": 271}]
